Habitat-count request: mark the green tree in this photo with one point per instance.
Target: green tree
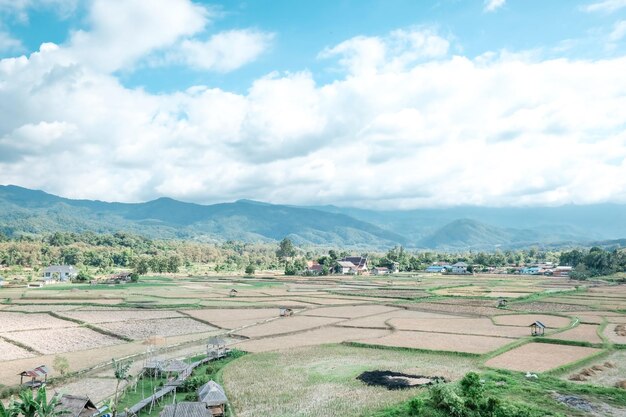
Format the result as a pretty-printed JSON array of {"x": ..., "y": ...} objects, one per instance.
[
  {"x": 61, "y": 365},
  {"x": 142, "y": 266},
  {"x": 250, "y": 269},
  {"x": 286, "y": 249},
  {"x": 121, "y": 372}
]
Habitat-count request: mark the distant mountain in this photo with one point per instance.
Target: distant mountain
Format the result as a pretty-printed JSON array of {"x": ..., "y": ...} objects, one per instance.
[
  {"x": 35, "y": 212},
  {"x": 24, "y": 211}
]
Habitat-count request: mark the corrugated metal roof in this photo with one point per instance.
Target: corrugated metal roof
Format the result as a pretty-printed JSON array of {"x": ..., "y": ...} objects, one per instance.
[
  {"x": 36, "y": 372},
  {"x": 186, "y": 409},
  {"x": 212, "y": 394}
]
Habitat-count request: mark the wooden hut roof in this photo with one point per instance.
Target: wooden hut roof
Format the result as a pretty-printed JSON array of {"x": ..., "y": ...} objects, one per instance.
[
  {"x": 216, "y": 341},
  {"x": 174, "y": 365},
  {"x": 36, "y": 372},
  {"x": 212, "y": 394},
  {"x": 538, "y": 324},
  {"x": 76, "y": 406},
  {"x": 186, "y": 409}
]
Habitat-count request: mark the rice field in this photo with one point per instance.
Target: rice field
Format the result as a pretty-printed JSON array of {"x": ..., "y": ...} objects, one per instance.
[
  {"x": 540, "y": 357},
  {"x": 61, "y": 340},
  {"x": 144, "y": 329}
]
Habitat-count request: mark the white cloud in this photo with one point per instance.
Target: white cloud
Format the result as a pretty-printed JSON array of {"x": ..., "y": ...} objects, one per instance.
[
  {"x": 20, "y": 8},
  {"x": 224, "y": 51},
  {"x": 618, "y": 32},
  {"x": 400, "y": 49},
  {"x": 123, "y": 31},
  {"x": 493, "y": 5},
  {"x": 409, "y": 125},
  {"x": 8, "y": 42},
  {"x": 606, "y": 6}
]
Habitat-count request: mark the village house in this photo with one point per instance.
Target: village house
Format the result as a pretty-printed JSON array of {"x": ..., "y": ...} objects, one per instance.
[
  {"x": 437, "y": 268},
  {"x": 62, "y": 273},
  {"x": 2, "y": 282},
  {"x": 353, "y": 265},
  {"x": 458, "y": 268},
  {"x": 313, "y": 268},
  {"x": 345, "y": 268},
  {"x": 532, "y": 270},
  {"x": 562, "y": 271},
  {"x": 380, "y": 270}
]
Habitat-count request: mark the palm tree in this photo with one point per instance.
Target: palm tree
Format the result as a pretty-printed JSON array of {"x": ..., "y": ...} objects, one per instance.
[
  {"x": 45, "y": 408},
  {"x": 10, "y": 410},
  {"x": 27, "y": 404},
  {"x": 120, "y": 370}
]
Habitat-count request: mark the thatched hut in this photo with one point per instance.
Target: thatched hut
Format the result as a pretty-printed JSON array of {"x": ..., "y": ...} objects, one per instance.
[
  {"x": 502, "y": 302},
  {"x": 213, "y": 396},
  {"x": 232, "y": 293},
  {"x": 537, "y": 328},
  {"x": 285, "y": 312},
  {"x": 76, "y": 406},
  {"x": 35, "y": 375},
  {"x": 186, "y": 409}
]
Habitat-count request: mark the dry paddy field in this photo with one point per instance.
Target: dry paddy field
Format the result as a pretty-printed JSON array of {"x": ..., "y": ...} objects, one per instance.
[
  {"x": 231, "y": 318},
  {"x": 524, "y": 320},
  {"x": 349, "y": 312},
  {"x": 322, "y": 336},
  {"x": 60, "y": 340},
  {"x": 286, "y": 325},
  {"x": 144, "y": 329},
  {"x": 441, "y": 341},
  {"x": 9, "y": 351},
  {"x": 321, "y": 381},
  {"x": 100, "y": 316},
  {"x": 540, "y": 357},
  {"x": 13, "y": 321},
  {"x": 581, "y": 333},
  {"x": 458, "y": 325}
]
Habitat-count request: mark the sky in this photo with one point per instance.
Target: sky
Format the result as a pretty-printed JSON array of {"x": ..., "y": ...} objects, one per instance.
[{"x": 388, "y": 104}]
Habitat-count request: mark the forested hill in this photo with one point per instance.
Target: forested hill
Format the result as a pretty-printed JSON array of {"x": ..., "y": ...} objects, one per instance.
[{"x": 30, "y": 212}]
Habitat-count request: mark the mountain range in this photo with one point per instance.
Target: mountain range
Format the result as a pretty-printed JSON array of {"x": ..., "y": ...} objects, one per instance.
[{"x": 32, "y": 212}]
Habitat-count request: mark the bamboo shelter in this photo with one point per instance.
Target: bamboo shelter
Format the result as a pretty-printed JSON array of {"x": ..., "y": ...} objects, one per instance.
[{"x": 213, "y": 396}]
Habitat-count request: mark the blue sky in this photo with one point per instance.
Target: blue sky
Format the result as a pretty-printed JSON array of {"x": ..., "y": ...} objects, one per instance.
[
  {"x": 363, "y": 103},
  {"x": 304, "y": 28}
]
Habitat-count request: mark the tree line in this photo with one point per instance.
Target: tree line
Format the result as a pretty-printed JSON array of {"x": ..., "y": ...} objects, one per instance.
[{"x": 104, "y": 252}]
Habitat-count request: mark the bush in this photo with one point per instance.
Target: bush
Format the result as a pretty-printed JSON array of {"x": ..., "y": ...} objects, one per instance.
[
  {"x": 416, "y": 405},
  {"x": 250, "y": 269}
]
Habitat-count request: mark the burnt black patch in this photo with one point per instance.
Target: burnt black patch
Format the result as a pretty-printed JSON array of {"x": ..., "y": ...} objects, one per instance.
[{"x": 397, "y": 380}]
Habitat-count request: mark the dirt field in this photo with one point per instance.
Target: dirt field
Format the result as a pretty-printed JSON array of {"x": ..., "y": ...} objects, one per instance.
[
  {"x": 459, "y": 325},
  {"x": 62, "y": 339},
  {"x": 322, "y": 336},
  {"x": 11, "y": 322},
  {"x": 232, "y": 318},
  {"x": 616, "y": 333},
  {"x": 441, "y": 341},
  {"x": 582, "y": 332},
  {"x": 381, "y": 321},
  {"x": 9, "y": 351},
  {"x": 287, "y": 325},
  {"x": 349, "y": 312},
  {"x": 100, "y": 316},
  {"x": 143, "y": 329},
  {"x": 539, "y": 357},
  {"x": 524, "y": 320}
]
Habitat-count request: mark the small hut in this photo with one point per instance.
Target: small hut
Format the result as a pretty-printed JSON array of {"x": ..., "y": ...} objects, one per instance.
[
  {"x": 213, "y": 396},
  {"x": 76, "y": 406},
  {"x": 216, "y": 347},
  {"x": 502, "y": 302},
  {"x": 173, "y": 366},
  {"x": 537, "y": 328},
  {"x": 35, "y": 376},
  {"x": 285, "y": 312},
  {"x": 232, "y": 293},
  {"x": 186, "y": 409}
]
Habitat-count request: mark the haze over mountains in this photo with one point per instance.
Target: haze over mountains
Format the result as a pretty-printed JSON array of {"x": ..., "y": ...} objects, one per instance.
[{"x": 25, "y": 211}]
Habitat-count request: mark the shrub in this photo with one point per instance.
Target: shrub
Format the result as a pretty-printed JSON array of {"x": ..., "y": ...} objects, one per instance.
[{"x": 416, "y": 405}]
